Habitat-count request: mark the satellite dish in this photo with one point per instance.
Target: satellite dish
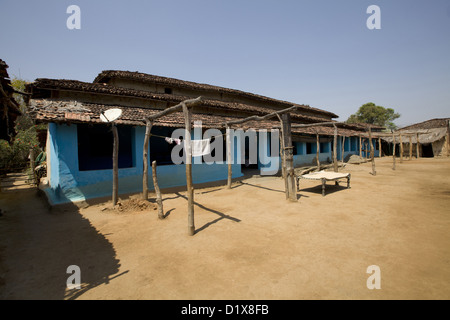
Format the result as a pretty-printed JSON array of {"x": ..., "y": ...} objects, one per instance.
[{"x": 110, "y": 115}]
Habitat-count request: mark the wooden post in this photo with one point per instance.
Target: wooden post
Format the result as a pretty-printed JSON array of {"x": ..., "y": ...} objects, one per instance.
[
  {"x": 229, "y": 160},
  {"x": 448, "y": 138},
  {"x": 417, "y": 146},
  {"x": 115, "y": 193},
  {"x": 372, "y": 153},
  {"x": 288, "y": 152},
  {"x": 33, "y": 167},
  {"x": 401, "y": 149},
  {"x": 283, "y": 158},
  {"x": 410, "y": 147},
  {"x": 393, "y": 151},
  {"x": 318, "y": 151},
  {"x": 148, "y": 128},
  {"x": 188, "y": 153},
  {"x": 158, "y": 192},
  {"x": 343, "y": 149},
  {"x": 379, "y": 148},
  {"x": 360, "y": 146},
  {"x": 335, "y": 150}
]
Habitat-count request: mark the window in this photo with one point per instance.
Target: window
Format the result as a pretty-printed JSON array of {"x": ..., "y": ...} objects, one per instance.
[
  {"x": 309, "y": 148},
  {"x": 95, "y": 147},
  {"x": 168, "y": 90},
  {"x": 160, "y": 149},
  {"x": 323, "y": 147}
]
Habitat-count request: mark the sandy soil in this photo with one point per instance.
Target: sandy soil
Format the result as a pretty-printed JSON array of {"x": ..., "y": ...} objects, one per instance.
[{"x": 250, "y": 243}]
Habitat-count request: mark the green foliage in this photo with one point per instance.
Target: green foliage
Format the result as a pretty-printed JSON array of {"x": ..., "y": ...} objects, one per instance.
[
  {"x": 373, "y": 114},
  {"x": 15, "y": 155}
]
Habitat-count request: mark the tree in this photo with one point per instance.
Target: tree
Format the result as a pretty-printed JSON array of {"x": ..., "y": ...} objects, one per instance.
[
  {"x": 15, "y": 154},
  {"x": 373, "y": 114}
]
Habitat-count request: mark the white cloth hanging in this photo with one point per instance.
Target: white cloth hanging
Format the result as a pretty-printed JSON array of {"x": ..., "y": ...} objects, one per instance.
[{"x": 201, "y": 147}]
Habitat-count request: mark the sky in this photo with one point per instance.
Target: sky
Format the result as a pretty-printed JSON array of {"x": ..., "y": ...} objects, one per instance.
[{"x": 319, "y": 53}]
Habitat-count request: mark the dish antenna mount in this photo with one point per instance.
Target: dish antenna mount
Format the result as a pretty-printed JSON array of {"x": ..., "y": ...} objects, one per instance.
[{"x": 110, "y": 115}]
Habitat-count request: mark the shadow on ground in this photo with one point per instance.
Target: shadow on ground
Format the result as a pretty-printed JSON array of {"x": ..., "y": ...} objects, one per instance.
[{"x": 37, "y": 245}]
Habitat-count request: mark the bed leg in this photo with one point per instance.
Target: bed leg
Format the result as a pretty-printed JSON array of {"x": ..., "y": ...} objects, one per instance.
[
  {"x": 348, "y": 182},
  {"x": 323, "y": 187}
]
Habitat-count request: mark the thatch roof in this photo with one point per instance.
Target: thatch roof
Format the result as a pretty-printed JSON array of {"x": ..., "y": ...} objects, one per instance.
[
  {"x": 428, "y": 124},
  {"x": 105, "y": 76}
]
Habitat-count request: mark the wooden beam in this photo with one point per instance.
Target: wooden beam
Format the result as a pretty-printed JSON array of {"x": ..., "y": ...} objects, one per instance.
[
  {"x": 259, "y": 118},
  {"x": 188, "y": 154},
  {"x": 115, "y": 193},
  {"x": 317, "y": 124},
  {"x": 179, "y": 107},
  {"x": 157, "y": 191},
  {"x": 343, "y": 149},
  {"x": 148, "y": 128}
]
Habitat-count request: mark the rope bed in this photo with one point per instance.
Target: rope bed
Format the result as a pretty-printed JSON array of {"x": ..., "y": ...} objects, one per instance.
[{"x": 324, "y": 176}]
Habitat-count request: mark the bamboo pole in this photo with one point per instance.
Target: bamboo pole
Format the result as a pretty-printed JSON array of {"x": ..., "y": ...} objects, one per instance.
[
  {"x": 318, "y": 151},
  {"x": 188, "y": 153},
  {"x": 148, "y": 128},
  {"x": 393, "y": 151},
  {"x": 372, "y": 153},
  {"x": 335, "y": 150},
  {"x": 115, "y": 193},
  {"x": 157, "y": 191},
  {"x": 229, "y": 160}
]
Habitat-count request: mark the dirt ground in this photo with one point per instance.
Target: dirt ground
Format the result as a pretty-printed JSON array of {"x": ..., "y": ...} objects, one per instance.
[{"x": 250, "y": 243}]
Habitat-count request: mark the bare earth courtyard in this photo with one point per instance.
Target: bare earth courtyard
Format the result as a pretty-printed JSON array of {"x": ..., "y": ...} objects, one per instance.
[{"x": 250, "y": 243}]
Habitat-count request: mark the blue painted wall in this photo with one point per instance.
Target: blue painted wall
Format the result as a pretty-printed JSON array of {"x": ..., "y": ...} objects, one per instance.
[{"x": 69, "y": 184}]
